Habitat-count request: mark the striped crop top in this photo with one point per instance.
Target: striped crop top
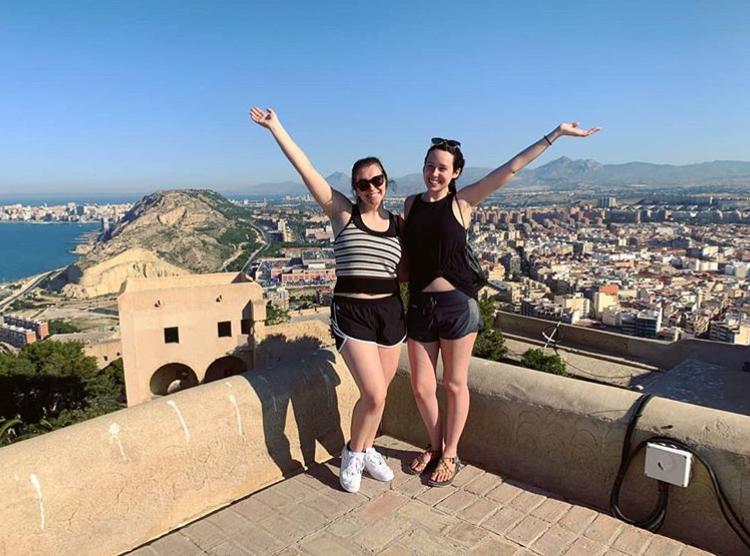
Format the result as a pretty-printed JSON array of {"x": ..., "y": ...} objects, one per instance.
[{"x": 366, "y": 260}]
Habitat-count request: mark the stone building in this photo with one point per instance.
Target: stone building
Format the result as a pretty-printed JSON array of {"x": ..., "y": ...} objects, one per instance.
[{"x": 181, "y": 331}]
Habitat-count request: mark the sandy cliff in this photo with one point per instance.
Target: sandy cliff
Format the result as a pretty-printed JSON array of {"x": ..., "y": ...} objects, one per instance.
[{"x": 167, "y": 233}]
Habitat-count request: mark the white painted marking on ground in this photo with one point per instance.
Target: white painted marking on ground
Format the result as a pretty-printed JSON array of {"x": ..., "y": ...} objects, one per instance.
[
  {"x": 233, "y": 400},
  {"x": 173, "y": 405},
  {"x": 38, "y": 489},
  {"x": 114, "y": 432}
]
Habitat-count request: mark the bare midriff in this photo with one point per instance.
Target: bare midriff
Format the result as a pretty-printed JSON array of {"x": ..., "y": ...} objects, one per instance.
[
  {"x": 365, "y": 295},
  {"x": 439, "y": 284}
]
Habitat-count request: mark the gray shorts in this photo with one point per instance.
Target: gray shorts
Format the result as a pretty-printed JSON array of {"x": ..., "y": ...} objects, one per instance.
[{"x": 442, "y": 315}]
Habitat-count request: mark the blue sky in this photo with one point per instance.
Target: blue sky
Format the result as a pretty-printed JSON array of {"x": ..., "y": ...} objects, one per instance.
[{"x": 105, "y": 96}]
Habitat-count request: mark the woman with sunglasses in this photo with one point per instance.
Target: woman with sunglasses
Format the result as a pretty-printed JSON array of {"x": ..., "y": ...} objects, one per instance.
[
  {"x": 443, "y": 316},
  {"x": 367, "y": 317}
]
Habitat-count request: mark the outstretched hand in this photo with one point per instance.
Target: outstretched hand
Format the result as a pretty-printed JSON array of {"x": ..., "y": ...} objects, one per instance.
[
  {"x": 265, "y": 118},
  {"x": 573, "y": 130}
]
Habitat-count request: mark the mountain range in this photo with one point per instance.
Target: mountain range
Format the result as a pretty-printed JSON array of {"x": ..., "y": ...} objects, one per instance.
[{"x": 564, "y": 174}]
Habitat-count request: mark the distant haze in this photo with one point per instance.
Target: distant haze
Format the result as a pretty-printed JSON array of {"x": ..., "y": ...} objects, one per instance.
[{"x": 562, "y": 173}]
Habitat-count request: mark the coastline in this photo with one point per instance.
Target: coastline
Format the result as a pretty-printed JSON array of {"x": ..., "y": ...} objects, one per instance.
[
  {"x": 86, "y": 223},
  {"x": 48, "y": 251}
]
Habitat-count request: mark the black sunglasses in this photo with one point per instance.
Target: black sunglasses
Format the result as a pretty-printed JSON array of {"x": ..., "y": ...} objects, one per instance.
[
  {"x": 364, "y": 184},
  {"x": 447, "y": 142}
]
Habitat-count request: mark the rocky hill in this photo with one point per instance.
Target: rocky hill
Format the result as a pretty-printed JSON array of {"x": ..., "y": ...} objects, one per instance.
[{"x": 167, "y": 233}]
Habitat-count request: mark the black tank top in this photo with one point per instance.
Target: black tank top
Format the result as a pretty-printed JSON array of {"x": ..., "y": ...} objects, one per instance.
[{"x": 436, "y": 246}]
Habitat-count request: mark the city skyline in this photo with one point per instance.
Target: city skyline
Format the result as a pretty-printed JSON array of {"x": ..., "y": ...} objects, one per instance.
[{"x": 133, "y": 98}]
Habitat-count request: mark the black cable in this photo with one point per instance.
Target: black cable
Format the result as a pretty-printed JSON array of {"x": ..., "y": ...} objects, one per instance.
[{"x": 655, "y": 520}]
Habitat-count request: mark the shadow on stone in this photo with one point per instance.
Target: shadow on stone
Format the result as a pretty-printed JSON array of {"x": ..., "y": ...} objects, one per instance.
[{"x": 301, "y": 373}]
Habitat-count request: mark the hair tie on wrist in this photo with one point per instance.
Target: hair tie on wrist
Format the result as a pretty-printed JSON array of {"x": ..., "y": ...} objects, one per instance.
[{"x": 548, "y": 141}]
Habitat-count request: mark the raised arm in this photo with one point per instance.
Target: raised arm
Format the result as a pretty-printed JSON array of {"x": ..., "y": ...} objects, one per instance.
[
  {"x": 477, "y": 192},
  {"x": 331, "y": 201}
]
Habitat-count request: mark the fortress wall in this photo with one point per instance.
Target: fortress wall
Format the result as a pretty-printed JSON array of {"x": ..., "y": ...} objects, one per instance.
[
  {"x": 654, "y": 352},
  {"x": 105, "y": 352},
  {"x": 115, "y": 482},
  {"x": 566, "y": 435}
]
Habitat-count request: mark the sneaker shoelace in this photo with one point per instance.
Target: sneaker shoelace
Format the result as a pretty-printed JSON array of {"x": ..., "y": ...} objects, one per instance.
[
  {"x": 355, "y": 467},
  {"x": 375, "y": 457}
]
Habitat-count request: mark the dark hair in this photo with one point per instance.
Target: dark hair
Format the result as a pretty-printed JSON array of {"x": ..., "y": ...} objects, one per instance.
[
  {"x": 362, "y": 163},
  {"x": 458, "y": 159}
]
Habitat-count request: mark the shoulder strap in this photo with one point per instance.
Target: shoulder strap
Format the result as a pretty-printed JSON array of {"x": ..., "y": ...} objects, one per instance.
[
  {"x": 461, "y": 214},
  {"x": 398, "y": 223},
  {"x": 415, "y": 199}
]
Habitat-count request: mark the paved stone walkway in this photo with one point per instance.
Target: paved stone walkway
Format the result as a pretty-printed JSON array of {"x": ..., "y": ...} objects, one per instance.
[{"x": 481, "y": 513}]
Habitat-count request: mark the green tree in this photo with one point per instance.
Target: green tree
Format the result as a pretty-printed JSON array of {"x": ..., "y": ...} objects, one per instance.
[
  {"x": 57, "y": 326},
  {"x": 274, "y": 315},
  {"x": 51, "y": 384},
  {"x": 490, "y": 343},
  {"x": 536, "y": 359}
]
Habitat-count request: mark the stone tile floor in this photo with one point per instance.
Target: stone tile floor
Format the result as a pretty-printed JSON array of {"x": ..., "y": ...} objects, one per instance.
[{"x": 481, "y": 513}]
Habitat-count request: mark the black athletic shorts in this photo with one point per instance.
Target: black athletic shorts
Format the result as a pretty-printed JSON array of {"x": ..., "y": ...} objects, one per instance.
[
  {"x": 376, "y": 321},
  {"x": 448, "y": 315}
]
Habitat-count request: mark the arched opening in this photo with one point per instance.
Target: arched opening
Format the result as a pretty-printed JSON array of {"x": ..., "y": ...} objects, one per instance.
[
  {"x": 171, "y": 378},
  {"x": 224, "y": 367}
]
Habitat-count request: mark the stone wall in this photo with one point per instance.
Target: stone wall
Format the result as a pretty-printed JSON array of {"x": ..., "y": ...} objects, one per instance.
[
  {"x": 565, "y": 436},
  {"x": 115, "y": 482},
  {"x": 653, "y": 352}
]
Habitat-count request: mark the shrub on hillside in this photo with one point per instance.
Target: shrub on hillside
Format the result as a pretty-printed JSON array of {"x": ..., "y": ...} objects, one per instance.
[
  {"x": 536, "y": 359},
  {"x": 490, "y": 343}
]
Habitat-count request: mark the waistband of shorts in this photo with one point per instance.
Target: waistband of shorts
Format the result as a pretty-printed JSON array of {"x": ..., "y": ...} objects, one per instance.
[{"x": 362, "y": 300}]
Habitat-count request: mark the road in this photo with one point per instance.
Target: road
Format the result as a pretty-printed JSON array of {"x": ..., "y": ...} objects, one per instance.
[
  {"x": 263, "y": 243},
  {"x": 27, "y": 288}
]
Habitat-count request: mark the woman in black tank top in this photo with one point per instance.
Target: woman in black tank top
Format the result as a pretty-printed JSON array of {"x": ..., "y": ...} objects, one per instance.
[
  {"x": 367, "y": 318},
  {"x": 443, "y": 316}
]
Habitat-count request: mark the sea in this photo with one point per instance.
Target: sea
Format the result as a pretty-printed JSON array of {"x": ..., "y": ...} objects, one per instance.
[{"x": 32, "y": 248}]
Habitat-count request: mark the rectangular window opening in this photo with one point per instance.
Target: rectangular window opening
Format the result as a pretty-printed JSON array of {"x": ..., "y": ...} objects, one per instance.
[
  {"x": 171, "y": 335},
  {"x": 245, "y": 326},
  {"x": 225, "y": 329}
]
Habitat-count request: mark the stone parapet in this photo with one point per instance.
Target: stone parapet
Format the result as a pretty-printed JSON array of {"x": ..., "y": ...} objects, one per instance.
[
  {"x": 565, "y": 436},
  {"x": 115, "y": 482},
  {"x": 653, "y": 352}
]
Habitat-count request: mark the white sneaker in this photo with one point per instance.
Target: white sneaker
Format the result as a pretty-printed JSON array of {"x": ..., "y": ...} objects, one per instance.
[
  {"x": 352, "y": 464},
  {"x": 376, "y": 466}
]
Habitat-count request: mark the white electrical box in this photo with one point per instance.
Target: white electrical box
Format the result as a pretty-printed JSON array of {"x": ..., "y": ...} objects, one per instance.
[{"x": 668, "y": 464}]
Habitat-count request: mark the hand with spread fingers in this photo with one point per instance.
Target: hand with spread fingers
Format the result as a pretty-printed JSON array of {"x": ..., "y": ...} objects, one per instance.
[{"x": 264, "y": 118}]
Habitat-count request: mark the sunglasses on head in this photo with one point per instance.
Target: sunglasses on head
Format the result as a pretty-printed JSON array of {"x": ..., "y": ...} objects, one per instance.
[
  {"x": 364, "y": 184},
  {"x": 447, "y": 142}
]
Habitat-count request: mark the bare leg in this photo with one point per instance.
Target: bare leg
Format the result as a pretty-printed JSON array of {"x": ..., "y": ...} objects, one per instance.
[
  {"x": 388, "y": 363},
  {"x": 456, "y": 356},
  {"x": 423, "y": 361},
  {"x": 363, "y": 361}
]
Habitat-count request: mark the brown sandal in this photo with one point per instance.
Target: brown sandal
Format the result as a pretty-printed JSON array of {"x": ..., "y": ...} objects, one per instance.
[
  {"x": 442, "y": 465},
  {"x": 423, "y": 466}
]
